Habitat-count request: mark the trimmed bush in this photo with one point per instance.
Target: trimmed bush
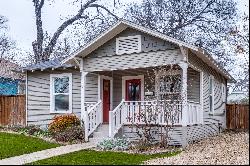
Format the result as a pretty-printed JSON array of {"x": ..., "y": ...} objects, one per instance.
[{"x": 62, "y": 122}]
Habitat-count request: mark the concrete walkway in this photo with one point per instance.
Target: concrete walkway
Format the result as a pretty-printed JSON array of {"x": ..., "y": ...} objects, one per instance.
[{"x": 28, "y": 158}]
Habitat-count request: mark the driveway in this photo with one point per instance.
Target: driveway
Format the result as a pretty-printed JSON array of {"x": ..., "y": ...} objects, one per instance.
[{"x": 224, "y": 149}]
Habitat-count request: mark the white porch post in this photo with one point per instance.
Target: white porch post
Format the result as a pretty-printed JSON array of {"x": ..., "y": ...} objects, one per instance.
[
  {"x": 184, "y": 67},
  {"x": 83, "y": 110}
]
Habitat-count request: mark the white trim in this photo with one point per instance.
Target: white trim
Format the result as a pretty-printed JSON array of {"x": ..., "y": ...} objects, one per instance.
[
  {"x": 83, "y": 83},
  {"x": 26, "y": 97},
  {"x": 184, "y": 67},
  {"x": 99, "y": 87},
  {"x": 201, "y": 93},
  {"x": 223, "y": 88},
  {"x": 52, "y": 101},
  {"x": 124, "y": 78},
  {"x": 211, "y": 77},
  {"x": 100, "y": 91}
]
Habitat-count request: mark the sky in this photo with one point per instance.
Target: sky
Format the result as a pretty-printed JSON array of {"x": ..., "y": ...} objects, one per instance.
[{"x": 20, "y": 14}]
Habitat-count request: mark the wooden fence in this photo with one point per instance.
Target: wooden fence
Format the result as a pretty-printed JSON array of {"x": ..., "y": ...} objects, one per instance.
[
  {"x": 237, "y": 116},
  {"x": 12, "y": 110}
]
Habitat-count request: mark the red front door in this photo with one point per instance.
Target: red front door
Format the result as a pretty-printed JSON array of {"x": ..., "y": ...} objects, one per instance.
[
  {"x": 133, "y": 90},
  {"x": 106, "y": 100}
]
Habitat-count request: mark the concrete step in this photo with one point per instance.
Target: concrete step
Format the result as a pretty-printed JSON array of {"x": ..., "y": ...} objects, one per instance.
[{"x": 101, "y": 133}]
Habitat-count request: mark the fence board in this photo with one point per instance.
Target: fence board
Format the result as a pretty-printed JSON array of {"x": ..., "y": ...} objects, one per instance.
[
  {"x": 237, "y": 116},
  {"x": 12, "y": 110}
]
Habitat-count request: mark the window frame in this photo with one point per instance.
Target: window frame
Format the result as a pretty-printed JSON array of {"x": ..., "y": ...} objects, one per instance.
[
  {"x": 223, "y": 92},
  {"x": 52, "y": 93}
]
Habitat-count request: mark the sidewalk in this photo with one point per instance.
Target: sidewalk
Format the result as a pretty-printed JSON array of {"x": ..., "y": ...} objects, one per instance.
[{"x": 28, "y": 158}]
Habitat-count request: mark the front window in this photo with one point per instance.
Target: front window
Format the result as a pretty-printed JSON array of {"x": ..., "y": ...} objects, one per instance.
[
  {"x": 61, "y": 93},
  {"x": 170, "y": 86}
]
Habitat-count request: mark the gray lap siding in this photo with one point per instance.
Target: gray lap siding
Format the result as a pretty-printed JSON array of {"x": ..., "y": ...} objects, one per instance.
[{"x": 38, "y": 96}]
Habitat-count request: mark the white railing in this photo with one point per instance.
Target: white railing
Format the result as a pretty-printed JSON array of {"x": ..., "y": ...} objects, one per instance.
[
  {"x": 151, "y": 112},
  {"x": 89, "y": 105},
  {"x": 117, "y": 118},
  {"x": 141, "y": 112},
  {"x": 93, "y": 119},
  {"x": 194, "y": 113}
]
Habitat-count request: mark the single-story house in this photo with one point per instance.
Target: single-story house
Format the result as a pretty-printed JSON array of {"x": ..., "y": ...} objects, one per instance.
[
  {"x": 11, "y": 83},
  {"x": 108, "y": 82}
]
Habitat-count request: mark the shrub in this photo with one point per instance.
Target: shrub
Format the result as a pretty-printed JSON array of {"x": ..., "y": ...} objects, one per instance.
[
  {"x": 62, "y": 122},
  {"x": 114, "y": 144},
  {"x": 71, "y": 134},
  {"x": 66, "y": 128}
]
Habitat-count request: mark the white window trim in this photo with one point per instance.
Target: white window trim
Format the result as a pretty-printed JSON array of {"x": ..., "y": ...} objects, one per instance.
[
  {"x": 52, "y": 101},
  {"x": 128, "y": 37},
  {"x": 124, "y": 78},
  {"x": 211, "y": 112},
  {"x": 223, "y": 86}
]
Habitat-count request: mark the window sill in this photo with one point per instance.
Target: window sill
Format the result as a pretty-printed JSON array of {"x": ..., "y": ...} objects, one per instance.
[{"x": 60, "y": 112}]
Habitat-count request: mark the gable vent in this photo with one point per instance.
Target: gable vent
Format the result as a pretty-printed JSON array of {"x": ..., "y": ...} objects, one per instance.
[{"x": 128, "y": 45}]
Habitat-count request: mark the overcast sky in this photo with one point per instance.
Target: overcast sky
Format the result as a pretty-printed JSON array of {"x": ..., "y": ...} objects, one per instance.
[{"x": 22, "y": 21}]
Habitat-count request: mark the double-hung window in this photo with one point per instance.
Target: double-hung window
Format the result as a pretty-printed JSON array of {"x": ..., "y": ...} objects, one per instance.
[{"x": 61, "y": 93}]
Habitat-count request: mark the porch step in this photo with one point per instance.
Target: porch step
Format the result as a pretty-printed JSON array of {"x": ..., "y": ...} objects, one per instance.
[{"x": 101, "y": 133}]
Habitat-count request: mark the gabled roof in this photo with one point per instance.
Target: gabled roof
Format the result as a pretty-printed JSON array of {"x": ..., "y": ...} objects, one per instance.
[
  {"x": 118, "y": 28},
  {"x": 6, "y": 70},
  {"x": 123, "y": 24}
]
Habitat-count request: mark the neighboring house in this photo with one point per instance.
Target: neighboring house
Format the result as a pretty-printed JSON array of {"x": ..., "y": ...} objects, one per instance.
[
  {"x": 237, "y": 97},
  {"x": 106, "y": 81},
  {"x": 11, "y": 83}
]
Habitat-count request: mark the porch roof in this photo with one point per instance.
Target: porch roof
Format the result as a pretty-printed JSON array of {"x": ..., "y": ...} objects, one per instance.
[
  {"x": 54, "y": 63},
  {"x": 123, "y": 24}
]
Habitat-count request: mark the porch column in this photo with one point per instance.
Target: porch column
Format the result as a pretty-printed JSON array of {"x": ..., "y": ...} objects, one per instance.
[
  {"x": 83, "y": 111},
  {"x": 184, "y": 67}
]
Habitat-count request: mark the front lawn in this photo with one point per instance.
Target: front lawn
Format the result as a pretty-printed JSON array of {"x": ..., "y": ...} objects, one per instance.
[
  {"x": 91, "y": 157},
  {"x": 18, "y": 144}
]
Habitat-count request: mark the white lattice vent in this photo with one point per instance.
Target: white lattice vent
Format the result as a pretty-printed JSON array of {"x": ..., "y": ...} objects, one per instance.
[{"x": 128, "y": 45}]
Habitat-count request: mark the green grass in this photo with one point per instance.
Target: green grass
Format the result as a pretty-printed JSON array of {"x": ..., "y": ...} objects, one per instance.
[
  {"x": 91, "y": 157},
  {"x": 18, "y": 144}
]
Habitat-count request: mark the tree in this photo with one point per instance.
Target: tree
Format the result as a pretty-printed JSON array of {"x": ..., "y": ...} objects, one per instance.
[
  {"x": 6, "y": 44},
  {"x": 157, "y": 115},
  {"x": 198, "y": 22},
  {"x": 41, "y": 52},
  {"x": 238, "y": 40}
]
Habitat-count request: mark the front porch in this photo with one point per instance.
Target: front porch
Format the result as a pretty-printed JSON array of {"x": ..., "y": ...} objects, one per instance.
[{"x": 131, "y": 96}]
